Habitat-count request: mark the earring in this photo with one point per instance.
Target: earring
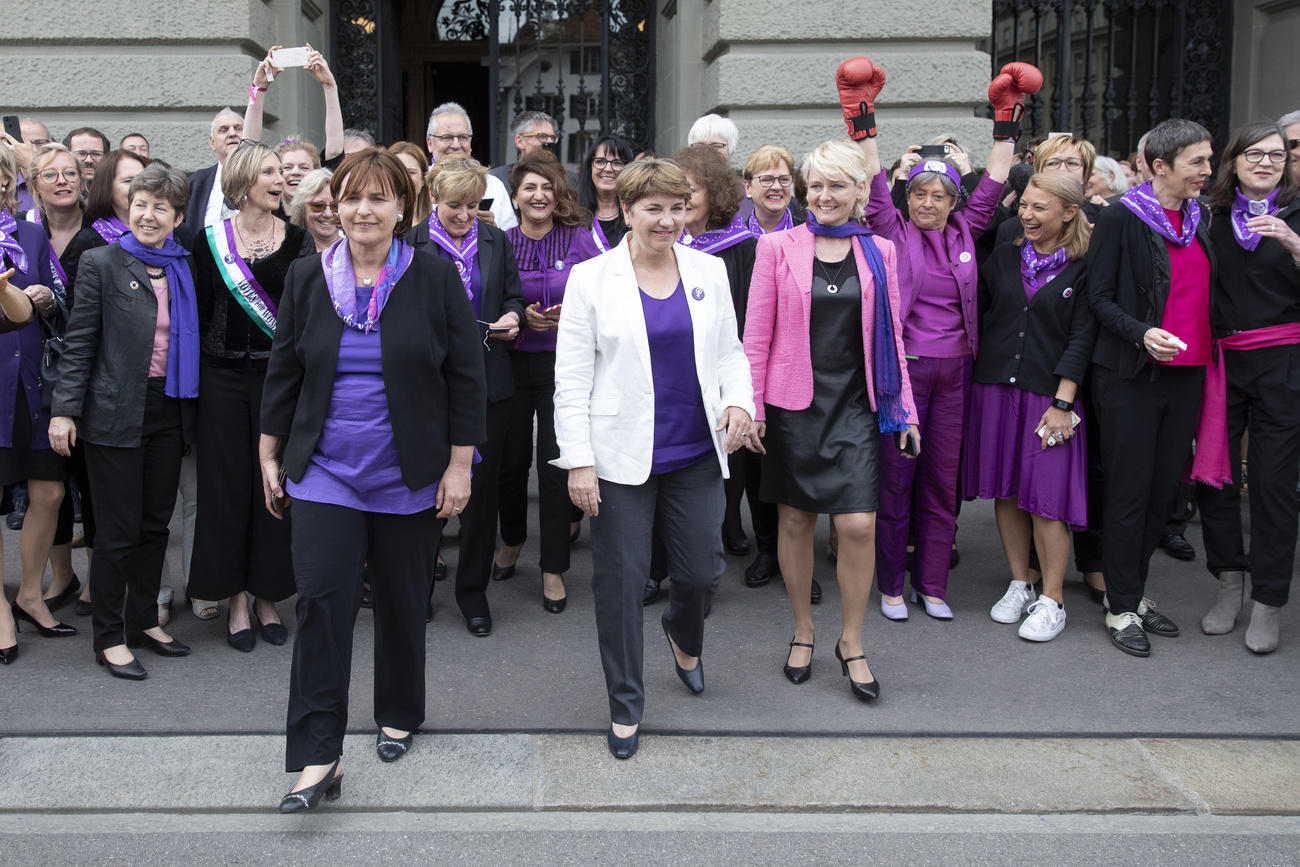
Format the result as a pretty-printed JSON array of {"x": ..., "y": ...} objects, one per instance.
[{"x": 400, "y": 215}]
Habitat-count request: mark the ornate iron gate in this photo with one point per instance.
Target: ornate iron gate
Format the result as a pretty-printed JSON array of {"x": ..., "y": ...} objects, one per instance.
[{"x": 1115, "y": 68}]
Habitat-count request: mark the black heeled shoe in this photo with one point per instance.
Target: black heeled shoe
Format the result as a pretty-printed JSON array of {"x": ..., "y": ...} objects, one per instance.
[
  {"x": 306, "y": 799},
  {"x": 244, "y": 641},
  {"x": 390, "y": 749},
  {"x": 623, "y": 748},
  {"x": 439, "y": 571},
  {"x": 866, "y": 691},
  {"x": 133, "y": 670},
  {"x": 54, "y": 603},
  {"x": 8, "y": 654},
  {"x": 162, "y": 648},
  {"x": 502, "y": 573},
  {"x": 272, "y": 633},
  {"x": 555, "y": 606},
  {"x": 58, "y": 630},
  {"x": 798, "y": 673},
  {"x": 694, "y": 678}
]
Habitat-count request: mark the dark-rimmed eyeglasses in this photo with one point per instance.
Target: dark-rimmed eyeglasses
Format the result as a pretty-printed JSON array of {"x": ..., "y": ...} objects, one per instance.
[
  {"x": 94, "y": 156},
  {"x": 321, "y": 207},
  {"x": 463, "y": 138},
  {"x": 542, "y": 137},
  {"x": 769, "y": 181},
  {"x": 1255, "y": 156},
  {"x": 601, "y": 163},
  {"x": 52, "y": 175}
]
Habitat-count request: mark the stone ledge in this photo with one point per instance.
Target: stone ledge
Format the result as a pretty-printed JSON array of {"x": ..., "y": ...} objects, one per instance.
[{"x": 57, "y": 21}]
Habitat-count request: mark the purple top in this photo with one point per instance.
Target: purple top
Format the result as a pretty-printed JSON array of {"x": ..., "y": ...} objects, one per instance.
[
  {"x": 543, "y": 270},
  {"x": 936, "y": 328},
  {"x": 682, "y": 434},
  {"x": 20, "y": 351},
  {"x": 355, "y": 462}
]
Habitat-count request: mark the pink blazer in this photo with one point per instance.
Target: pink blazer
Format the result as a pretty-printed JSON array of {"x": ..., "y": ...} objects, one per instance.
[{"x": 780, "y": 307}]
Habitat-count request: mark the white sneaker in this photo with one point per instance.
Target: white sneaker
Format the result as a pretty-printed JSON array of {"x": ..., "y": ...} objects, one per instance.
[
  {"x": 1014, "y": 603},
  {"x": 1045, "y": 621}
]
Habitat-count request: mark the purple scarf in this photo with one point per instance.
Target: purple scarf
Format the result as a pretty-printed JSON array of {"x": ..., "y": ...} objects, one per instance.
[
  {"x": 341, "y": 280},
  {"x": 890, "y": 415},
  {"x": 717, "y": 240},
  {"x": 111, "y": 230},
  {"x": 1243, "y": 210},
  {"x": 1142, "y": 201},
  {"x": 787, "y": 222},
  {"x": 183, "y": 345},
  {"x": 9, "y": 247},
  {"x": 465, "y": 257},
  {"x": 1037, "y": 270}
]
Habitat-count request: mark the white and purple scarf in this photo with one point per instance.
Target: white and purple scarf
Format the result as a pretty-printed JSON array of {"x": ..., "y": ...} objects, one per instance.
[
  {"x": 111, "y": 229},
  {"x": 10, "y": 248},
  {"x": 787, "y": 222},
  {"x": 341, "y": 280},
  {"x": 1142, "y": 201},
  {"x": 717, "y": 240},
  {"x": 464, "y": 257},
  {"x": 1244, "y": 210},
  {"x": 1037, "y": 270}
]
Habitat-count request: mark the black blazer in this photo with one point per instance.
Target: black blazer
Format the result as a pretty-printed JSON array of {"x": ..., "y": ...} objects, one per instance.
[
  {"x": 191, "y": 228},
  {"x": 1031, "y": 344},
  {"x": 432, "y": 362},
  {"x": 104, "y": 372},
  {"x": 739, "y": 259},
  {"x": 501, "y": 295},
  {"x": 1128, "y": 284}
]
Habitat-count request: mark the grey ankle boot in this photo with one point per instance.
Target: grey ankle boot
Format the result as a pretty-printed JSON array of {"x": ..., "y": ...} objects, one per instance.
[
  {"x": 1261, "y": 634},
  {"x": 1220, "y": 619}
]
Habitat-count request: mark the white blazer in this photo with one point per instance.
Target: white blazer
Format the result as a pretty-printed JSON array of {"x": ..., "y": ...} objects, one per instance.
[{"x": 604, "y": 388}]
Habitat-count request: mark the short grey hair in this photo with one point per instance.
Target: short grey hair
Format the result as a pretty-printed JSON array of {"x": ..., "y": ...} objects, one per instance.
[
  {"x": 526, "y": 119},
  {"x": 1113, "y": 173},
  {"x": 364, "y": 134},
  {"x": 448, "y": 108},
  {"x": 162, "y": 182},
  {"x": 227, "y": 111},
  {"x": 714, "y": 126},
  {"x": 1289, "y": 118},
  {"x": 308, "y": 188}
]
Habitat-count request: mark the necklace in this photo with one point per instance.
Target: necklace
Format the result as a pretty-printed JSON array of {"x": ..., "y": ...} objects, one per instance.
[
  {"x": 366, "y": 281},
  {"x": 155, "y": 275},
  {"x": 258, "y": 248},
  {"x": 833, "y": 283},
  {"x": 608, "y": 217}
]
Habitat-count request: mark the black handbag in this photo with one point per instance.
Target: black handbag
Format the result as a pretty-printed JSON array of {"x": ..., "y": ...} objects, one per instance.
[{"x": 52, "y": 350}]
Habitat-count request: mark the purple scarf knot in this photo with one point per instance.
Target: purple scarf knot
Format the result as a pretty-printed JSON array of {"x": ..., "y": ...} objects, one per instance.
[
  {"x": 1038, "y": 270},
  {"x": 787, "y": 222},
  {"x": 341, "y": 281},
  {"x": 1244, "y": 210},
  {"x": 464, "y": 257},
  {"x": 1142, "y": 201},
  {"x": 9, "y": 247}
]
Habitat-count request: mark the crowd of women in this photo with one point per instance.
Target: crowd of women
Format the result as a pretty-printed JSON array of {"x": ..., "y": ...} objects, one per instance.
[{"x": 352, "y": 354}]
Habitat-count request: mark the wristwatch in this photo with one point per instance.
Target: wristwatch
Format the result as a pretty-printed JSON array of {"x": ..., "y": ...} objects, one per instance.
[{"x": 1062, "y": 405}]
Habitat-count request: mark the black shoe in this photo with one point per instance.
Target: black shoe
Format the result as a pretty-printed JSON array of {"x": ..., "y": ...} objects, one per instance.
[
  {"x": 58, "y": 630},
  {"x": 555, "y": 606},
  {"x": 82, "y": 608},
  {"x": 502, "y": 573},
  {"x": 865, "y": 691},
  {"x": 736, "y": 543},
  {"x": 330, "y": 786},
  {"x": 954, "y": 558},
  {"x": 391, "y": 749},
  {"x": 162, "y": 648},
  {"x": 54, "y": 603},
  {"x": 8, "y": 654},
  {"x": 133, "y": 670},
  {"x": 623, "y": 748},
  {"x": 764, "y": 568},
  {"x": 799, "y": 673},
  {"x": 816, "y": 593},
  {"x": 367, "y": 597},
  {"x": 1177, "y": 546},
  {"x": 652, "y": 591},
  {"x": 1130, "y": 638},
  {"x": 694, "y": 678},
  {"x": 272, "y": 633},
  {"x": 439, "y": 571},
  {"x": 1155, "y": 623},
  {"x": 244, "y": 641},
  {"x": 479, "y": 627}
]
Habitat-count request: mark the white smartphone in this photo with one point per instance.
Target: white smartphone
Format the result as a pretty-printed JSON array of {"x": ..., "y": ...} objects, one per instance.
[
  {"x": 1074, "y": 422},
  {"x": 285, "y": 58}
]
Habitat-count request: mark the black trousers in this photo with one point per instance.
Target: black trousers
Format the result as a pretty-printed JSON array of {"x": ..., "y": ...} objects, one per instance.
[
  {"x": 330, "y": 547},
  {"x": 1264, "y": 399},
  {"x": 1147, "y": 424},
  {"x": 686, "y": 505},
  {"x": 534, "y": 374},
  {"x": 238, "y": 545},
  {"x": 65, "y": 529},
  {"x": 478, "y": 523},
  {"x": 137, "y": 492},
  {"x": 1088, "y": 543}
]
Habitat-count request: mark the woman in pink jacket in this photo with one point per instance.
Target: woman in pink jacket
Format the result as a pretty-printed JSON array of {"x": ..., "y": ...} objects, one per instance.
[{"x": 825, "y": 352}]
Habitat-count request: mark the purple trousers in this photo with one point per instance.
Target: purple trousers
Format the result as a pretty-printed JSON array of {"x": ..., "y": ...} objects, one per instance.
[{"x": 924, "y": 490}]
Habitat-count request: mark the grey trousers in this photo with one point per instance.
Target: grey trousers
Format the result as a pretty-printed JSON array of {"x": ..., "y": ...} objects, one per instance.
[{"x": 687, "y": 504}]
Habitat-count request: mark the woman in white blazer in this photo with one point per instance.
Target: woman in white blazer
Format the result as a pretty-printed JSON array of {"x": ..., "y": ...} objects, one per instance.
[{"x": 652, "y": 392}]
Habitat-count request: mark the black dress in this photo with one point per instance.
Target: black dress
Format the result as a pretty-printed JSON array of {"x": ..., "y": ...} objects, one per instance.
[{"x": 823, "y": 459}]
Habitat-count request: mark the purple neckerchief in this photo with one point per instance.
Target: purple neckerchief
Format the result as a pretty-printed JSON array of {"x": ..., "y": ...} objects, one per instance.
[
  {"x": 112, "y": 229},
  {"x": 717, "y": 240},
  {"x": 1142, "y": 201},
  {"x": 233, "y": 258},
  {"x": 9, "y": 246},
  {"x": 1243, "y": 210},
  {"x": 465, "y": 257},
  {"x": 341, "y": 280},
  {"x": 34, "y": 216},
  {"x": 787, "y": 222},
  {"x": 1037, "y": 270},
  {"x": 183, "y": 336}
]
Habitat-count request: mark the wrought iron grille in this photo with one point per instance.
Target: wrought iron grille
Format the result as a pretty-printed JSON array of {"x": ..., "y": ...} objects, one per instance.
[{"x": 1114, "y": 68}]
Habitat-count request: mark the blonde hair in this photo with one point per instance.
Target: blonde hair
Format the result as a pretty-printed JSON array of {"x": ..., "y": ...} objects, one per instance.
[
  {"x": 46, "y": 154},
  {"x": 1058, "y": 143},
  {"x": 456, "y": 178},
  {"x": 242, "y": 168},
  {"x": 767, "y": 155},
  {"x": 9, "y": 169},
  {"x": 297, "y": 143},
  {"x": 651, "y": 176},
  {"x": 838, "y": 160},
  {"x": 308, "y": 188},
  {"x": 1067, "y": 190}
]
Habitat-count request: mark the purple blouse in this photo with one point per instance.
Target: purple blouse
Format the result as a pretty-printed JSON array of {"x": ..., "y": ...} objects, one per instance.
[
  {"x": 20, "y": 351},
  {"x": 682, "y": 434},
  {"x": 544, "y": 268},
  {"x": 355, "y": 462},
  {"x": 936, "y": 328}
]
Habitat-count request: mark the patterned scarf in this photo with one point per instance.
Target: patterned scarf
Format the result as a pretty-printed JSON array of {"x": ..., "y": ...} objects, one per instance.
[
  {"x": 1243, "y": 210},
  {"x": 1037, "y": 270},
  {"x": 9, "y": 247},
  {"x": 465, "y": 257},
  {"x": 717, "y": 240},
  {"x": 341, "y": 280},
  {"x": 1142, "y": 201}
]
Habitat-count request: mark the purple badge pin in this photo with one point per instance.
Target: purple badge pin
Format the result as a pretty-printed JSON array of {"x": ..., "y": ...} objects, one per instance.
[
  {"x": 697, "y": 293},
  {"x": 1069, "y": 290}
]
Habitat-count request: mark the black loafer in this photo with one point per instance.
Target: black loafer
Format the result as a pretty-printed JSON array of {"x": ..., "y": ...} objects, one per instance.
[
  {"x": 163, "y": 648},
  {"x": 133, "y": 670},
  {"x": 479, "y": 627},
  {"x": 816, "y": 592},
  {"x": 391, "y": 749},
  {"x": 623, "y": 748},
  {"x": 1131, "y": 638},
  {"x": 1177, "y": 546},
  {"x": 502, "y": 573},
  {"x": 274, "y": 633},
  {"x": 652, "y": 591},
  {"x": 764, "y": 568}
]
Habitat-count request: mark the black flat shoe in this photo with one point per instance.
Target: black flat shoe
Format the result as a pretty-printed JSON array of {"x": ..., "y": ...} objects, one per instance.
[
  {"x": 162, "y": 648},
  {"x": 502, "y": 573},
  {"x": 694, "y": 678},
  {"x": 1131, "y": 638},
  {"x": 1177, "y": 546},
  {"x": 82, "y": 608},
  {"x": 330, "y": 786},
  {"x": 736, "y": 543},
  {"x": 868, "y": 691},
  {"x": 133, "y": 670},
  {"x": 816, "y": 594},
  {"x": 244, "y": 641},
  {"x": 57, "y": 601},
  {"x": 764, "y": 568},
  {"x": 58, "y": 630},
  {"x": 652, "y": 591},
  {"x": 1097, "y": 596},
  {"x": 391, "y": 749},
  {"x": 8, "y": 654},
  {"x": 623, "y": 748},
  {"x": 798, "y": 673},
  {"x": 272, "y": 633},
  {"x": 555, "y": 606},
  {"x": 479, "y": 627}
]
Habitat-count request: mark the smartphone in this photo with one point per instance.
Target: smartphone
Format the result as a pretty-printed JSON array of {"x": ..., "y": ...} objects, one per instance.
[
  {"x": 281, "y": 502},
  {"x": 554, "y": 308},
  {"x": 494, "y": 329},
  {"x": 13, "y": 128},
  {"x": 908, "y": 444},
  {"x": 485, "y": 204},
  {"x": 285, "y": 58},
  {"x": 940, "y": 151}
]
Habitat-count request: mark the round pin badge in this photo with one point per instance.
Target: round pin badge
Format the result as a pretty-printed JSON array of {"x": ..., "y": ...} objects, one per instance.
[
  {"x": 135, "y": 285},
  {"x": 230, "y": 258},
  {"x": 1069, "y": 290},
  {"x": 559, "y": 264},
  {"x": 964, "y": 257},
  {"x": 697, "y": 293}
]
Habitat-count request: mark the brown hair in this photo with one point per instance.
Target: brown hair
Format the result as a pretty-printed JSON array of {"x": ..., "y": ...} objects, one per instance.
[
  {"x": 1067, "y": 190},
  {"x": 1224, "y": 191},
  {"x": 544, "y": 164},
  {"x": 423, "y": 207},
  {"x": 652, "y": 176},
  {"x": 712, "y": 172},
  {"x": 241, "y": 169},
  {"x": 99, "y": 204},
  {"x": 373, "y": 166}
]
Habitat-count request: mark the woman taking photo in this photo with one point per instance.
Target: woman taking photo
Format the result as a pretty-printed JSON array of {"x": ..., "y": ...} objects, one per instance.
[
  {"x": 552, "y": 237},
  {"x": 373, "y": 401},
  {"x": 597, "y": 191},
  {"x": 1025, "y": 447},
  {"x": 651, "y": 394},
  {"x": 129, "y": 372},
  {"x": 940, "y": 326},
  {"x": 831, "y": 387},
  {"x": 1256, "y": 307},
  {"x": 485, "y": 262},
  {"x": 240, "y": 550},
  {"x": 313, "y": 209},
  {"x": 298, "y": 158},
  {"x": 1150, "y": 272}
]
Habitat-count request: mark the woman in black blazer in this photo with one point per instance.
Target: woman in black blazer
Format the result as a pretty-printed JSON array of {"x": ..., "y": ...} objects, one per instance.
[
  {"x": 126, "y": 388},
  {"x": 378, "y": 422},
  {"x": 1023, "y": 448},
  {"x": 485, "y": 261}
]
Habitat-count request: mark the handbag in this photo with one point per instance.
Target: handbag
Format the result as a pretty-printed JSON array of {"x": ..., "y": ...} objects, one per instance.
[{"x": 52, "y": 350}]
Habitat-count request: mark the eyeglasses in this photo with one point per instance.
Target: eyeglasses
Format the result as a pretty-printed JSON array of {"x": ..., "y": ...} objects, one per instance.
[
  {"x": 769, "y": 181},
  {"x": 52, "y": 175},
  {"x": 542, "y": 137},
  {"x": 244, "y": 142},
  {"x": 95, "y": 156},
  {"x": 463, "y": 138},
  {"x": 602, "y": 164},
  {"x": 1255, "y": 156},
  {"x": 1058, "y": 163},
  {"x": 321, "y": 207}
]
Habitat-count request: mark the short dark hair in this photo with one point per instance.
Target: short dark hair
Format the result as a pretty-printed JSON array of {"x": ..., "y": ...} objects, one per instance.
[
  {"x": 1166, "y": 140},
  {"x": 164, "y": 183},
  {"x": 586, "y": 188},
  {"x": 1224, "y": 192},
  {"x": 86, "y": 130},
  {"x": 133, "y": 135},
  {"x": 542, "y": 162},
  {"x": 372, "y": 165},
  {"x": 99, "y": 202},
  {"x": 714, "y": 174}
]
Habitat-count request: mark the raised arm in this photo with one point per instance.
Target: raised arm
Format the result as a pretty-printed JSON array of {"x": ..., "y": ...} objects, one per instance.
[
  {"x": 263, "y": 75},
  {"x": 1007, "y": 94},
  {"x": 319, "y": 69},
  {"x": 859, "y": 81}
]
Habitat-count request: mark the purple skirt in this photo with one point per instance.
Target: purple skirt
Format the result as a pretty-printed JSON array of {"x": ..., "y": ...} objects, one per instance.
[{"x": 1004, "y": 459}]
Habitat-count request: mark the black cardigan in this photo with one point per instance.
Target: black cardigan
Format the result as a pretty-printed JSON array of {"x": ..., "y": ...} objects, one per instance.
[
  {"x": 739, "y": 259},
  {"x": 501, "y": 295},
  {"x": 1128, "y": 283},
  {"x": 1033, "y": 344},
  {"x": 432, "y": 362}
]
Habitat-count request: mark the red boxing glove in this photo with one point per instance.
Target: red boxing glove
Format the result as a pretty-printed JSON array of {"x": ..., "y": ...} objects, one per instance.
[
  {"x": 859, "y": 82},
  {"x": 1007, "y": 94}
]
